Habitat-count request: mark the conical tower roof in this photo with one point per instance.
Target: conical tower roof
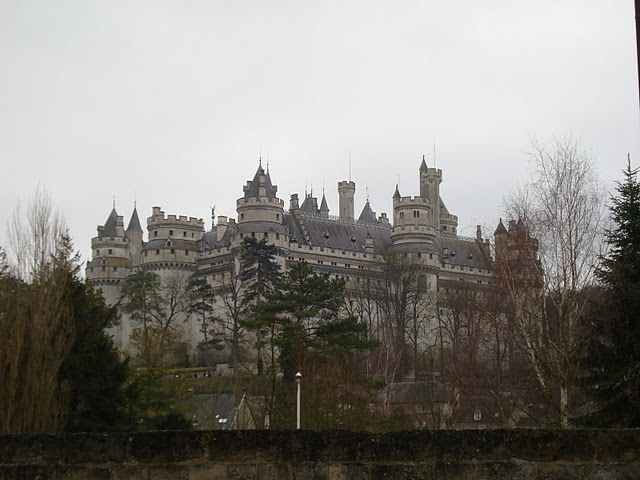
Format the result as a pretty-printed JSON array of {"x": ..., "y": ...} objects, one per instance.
[
  {"x": 396, "y": 194},
  {"x": 423, "y": 165},
  {"x": 109, "y": 229},
  {"x": 323, "y": 205},
  {"x": 134, "y": 222},
  {"x": 500, "y": 228},
  {"x": 367, "y": 214}
]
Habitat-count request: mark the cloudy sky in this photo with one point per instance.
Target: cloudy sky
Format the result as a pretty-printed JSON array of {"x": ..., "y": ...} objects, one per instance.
[{"x": 172, "y": 102}]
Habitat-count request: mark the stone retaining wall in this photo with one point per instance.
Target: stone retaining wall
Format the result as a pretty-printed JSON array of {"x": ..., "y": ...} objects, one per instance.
[{"x": 330, "y": 455}]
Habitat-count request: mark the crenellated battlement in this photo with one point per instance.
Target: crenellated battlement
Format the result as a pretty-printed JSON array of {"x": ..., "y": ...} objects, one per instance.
[
  {"x": 253, "y": 201},
  {"x": 414, "y": 200},
  {"x": 158, "y": 218}
]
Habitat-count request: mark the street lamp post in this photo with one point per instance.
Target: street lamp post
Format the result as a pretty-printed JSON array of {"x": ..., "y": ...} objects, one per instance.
[{"x": 298, "y": 377}]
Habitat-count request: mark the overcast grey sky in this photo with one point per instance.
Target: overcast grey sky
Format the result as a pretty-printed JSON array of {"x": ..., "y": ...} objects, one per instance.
[{"x": 171, "y": 102}]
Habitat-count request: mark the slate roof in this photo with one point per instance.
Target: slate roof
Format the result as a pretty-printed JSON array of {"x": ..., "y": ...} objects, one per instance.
[
  {"x": 501, "y": 228},
  {"x": 109, "y": 228},
  {"x": 340, "y": 235},
  {"x": 310, "y": 204},
  {"x": 367, "y": 214},
  {"x": 252, "y": 188},
  {"x": 323, "y": 205},
  {"x": 134, "y": 223}
]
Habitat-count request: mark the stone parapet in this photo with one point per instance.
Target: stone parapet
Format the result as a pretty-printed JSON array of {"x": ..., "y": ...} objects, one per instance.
[{"x": 330, "y": 455}]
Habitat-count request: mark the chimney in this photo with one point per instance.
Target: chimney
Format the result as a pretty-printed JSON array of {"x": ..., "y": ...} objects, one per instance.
[{"x": 221, "y": 227}]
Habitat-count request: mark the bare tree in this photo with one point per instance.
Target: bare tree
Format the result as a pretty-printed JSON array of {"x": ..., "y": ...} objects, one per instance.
[
  {"x": 36, "y": 326},
  {"x": 564, "y": 209}
]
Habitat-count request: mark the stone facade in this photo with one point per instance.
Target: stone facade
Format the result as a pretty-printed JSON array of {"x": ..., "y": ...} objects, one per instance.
[
  {"x": 328, "y": 455},
  {"x": 344, "y": 246}
]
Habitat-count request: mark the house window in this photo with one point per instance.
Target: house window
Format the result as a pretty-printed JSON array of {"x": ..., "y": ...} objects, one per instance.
[
  {"x": 186, "y": 252},
  {"x": 170, "y": 232},
  {"x": 110, "y": 251},
  {"x": 173, "y": 250}
]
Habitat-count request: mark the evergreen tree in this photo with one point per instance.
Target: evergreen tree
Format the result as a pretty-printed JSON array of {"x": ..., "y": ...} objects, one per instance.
[
  {"x": 92, "y": 372},
  {"x": 613, "y": 358},
  {"x": 307, "y": 307},
  {"x": 259, "y": 273},
  {"x": 201, "y": 305},
  {"x": 140, "y": 299}
]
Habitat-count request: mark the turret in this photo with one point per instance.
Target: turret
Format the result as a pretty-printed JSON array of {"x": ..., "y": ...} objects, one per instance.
[
  {"x": 260, "y": 211},
  {"x": 346, "y": 193},
  {"x": 134, "y": 234},
  {"x": 324, "y": 208},
  {"x": 430, "y": 180}
]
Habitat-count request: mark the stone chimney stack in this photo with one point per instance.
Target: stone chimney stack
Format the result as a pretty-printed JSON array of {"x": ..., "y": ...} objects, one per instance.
[
  {"x": 221, "y": 227},
  {"x": 346, "y": 192}
]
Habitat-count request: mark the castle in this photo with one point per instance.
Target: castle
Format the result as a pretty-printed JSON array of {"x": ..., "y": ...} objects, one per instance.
[{"x": 343, "y": 245}]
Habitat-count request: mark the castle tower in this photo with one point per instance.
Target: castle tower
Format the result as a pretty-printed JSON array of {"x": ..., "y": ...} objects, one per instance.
[
  {"x": 430, "y": 180},
  {"x": 260, "y": 211},
  {"x": 413, "y": 228},
  {"x": 109, "y": 266},
  {"x": 346, "y": 192},
  {"x": 134, "y": 234}
]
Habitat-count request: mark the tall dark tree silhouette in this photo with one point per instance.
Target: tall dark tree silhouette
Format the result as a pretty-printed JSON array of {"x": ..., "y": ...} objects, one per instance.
[{"x": 613, "y": 360}]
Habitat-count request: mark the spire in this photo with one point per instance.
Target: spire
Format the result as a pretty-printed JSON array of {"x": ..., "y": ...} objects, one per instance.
[
  {"x": 134, "y": 222},
  {"x": 324, "y": 208},
  {"x": 423, "y": 165},
  {"x": 109, "y": 228},
  {"x": 500, "y": 229},
  {"x": 397, "y": 192}
]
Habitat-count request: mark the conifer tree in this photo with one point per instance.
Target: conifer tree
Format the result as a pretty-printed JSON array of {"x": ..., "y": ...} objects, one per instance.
[{"x": 613, "y": 359}]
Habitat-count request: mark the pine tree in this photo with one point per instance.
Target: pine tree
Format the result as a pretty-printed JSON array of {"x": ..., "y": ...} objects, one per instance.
[{"x": 613, "y": 358}]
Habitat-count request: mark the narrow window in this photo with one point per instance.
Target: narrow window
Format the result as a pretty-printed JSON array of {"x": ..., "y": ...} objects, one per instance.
[
  {"x": 170, "y": 232},
  {"x": 184, "y": 234},
  {"x": 110, "y": 251},
  {"x": 173, "y": 250},
  {"x": 155, "y": 233},
  {"x": 186, "y": 252},
  {"x": 157, "y": 251}
]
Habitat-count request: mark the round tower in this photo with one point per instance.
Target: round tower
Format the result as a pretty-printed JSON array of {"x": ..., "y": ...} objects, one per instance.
[
  {"x": 174, "y": 243},
  {"x": 109, "y": 267},
  {"x": 260, "y": 211},
  {"x": 346, "y": 192}
]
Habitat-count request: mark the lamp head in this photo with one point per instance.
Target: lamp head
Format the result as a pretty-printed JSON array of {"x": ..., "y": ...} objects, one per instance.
[{"x": 298, "y": 376}]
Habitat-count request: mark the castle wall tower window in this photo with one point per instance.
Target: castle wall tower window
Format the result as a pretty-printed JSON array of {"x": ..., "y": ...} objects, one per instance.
[
  {"x": 173, "y": 250},
  {"x": 157, "y": 251},
  {"x": 97, "y": 252},
  {"x": 155, "y": 233},
  {"x": 186, "y": 252},
  {"x": 170, "y": 232},
  {"x": 110, "y": 251},
  {"x": 184, "y": 234}
]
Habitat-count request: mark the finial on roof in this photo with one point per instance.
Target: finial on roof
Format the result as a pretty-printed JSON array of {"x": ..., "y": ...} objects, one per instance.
[
  {"x": 396, "y": 194},
  {"x": 267, "y": 167},
  {"x": 114, "y": 201},
  {"x": 366, "y": 188}
]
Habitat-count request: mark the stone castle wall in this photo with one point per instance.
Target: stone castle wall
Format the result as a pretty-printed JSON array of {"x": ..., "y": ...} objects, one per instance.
[{"x": 330, "y": 455}]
